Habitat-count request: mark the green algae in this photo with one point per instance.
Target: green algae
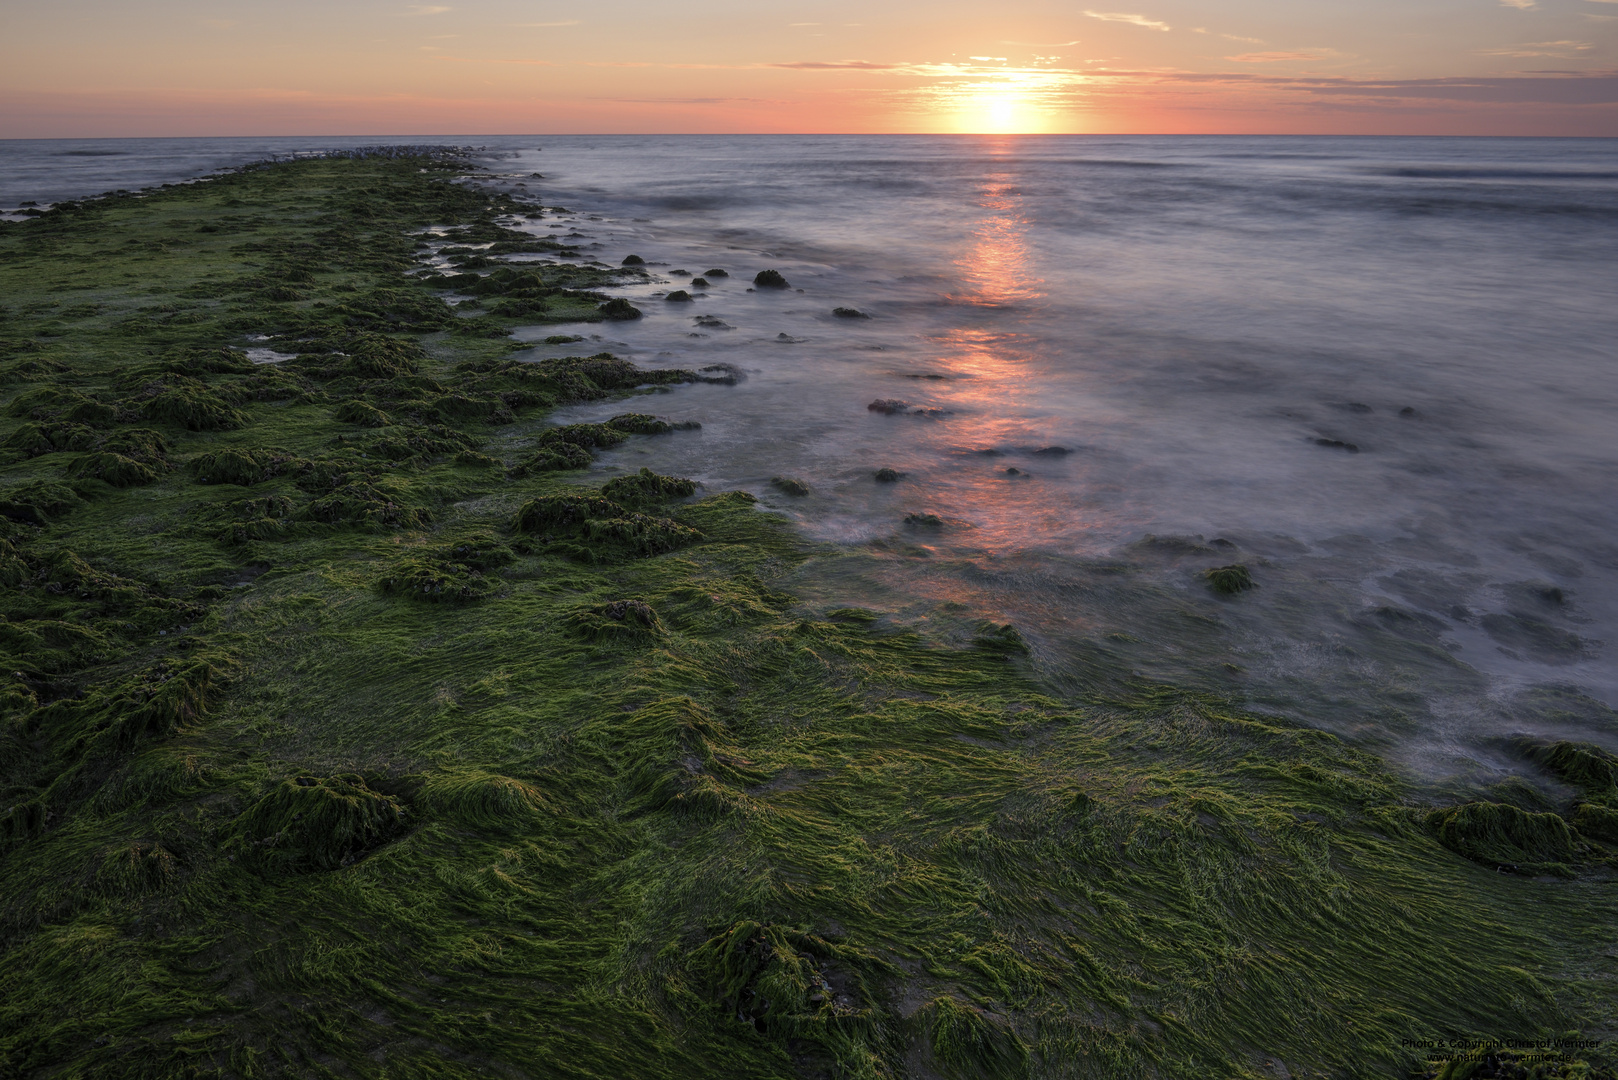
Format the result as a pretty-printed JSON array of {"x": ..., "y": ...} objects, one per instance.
[{"x": 629, "y": 809}]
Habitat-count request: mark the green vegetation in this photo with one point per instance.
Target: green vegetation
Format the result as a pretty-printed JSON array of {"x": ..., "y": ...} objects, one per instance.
[{"x": 348, "y": 732}]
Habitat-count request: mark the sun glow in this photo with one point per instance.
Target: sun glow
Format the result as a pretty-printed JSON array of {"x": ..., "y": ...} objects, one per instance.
[{"x": 1001, "y": 111}]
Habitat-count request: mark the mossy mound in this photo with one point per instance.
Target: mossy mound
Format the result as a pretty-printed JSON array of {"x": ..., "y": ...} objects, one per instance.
[
  {"x": 435, "y": 581},
  {"x": 591, "y": 527},
  {"x": 1501, "y": 835},
  {"x": 311, "y": 824},
  {"x": 618, "y": 620},
  {"x": 648, "y": 487},
  {"x": 362, "y": 413},
  {"x": 618, "y": 310},
  {"x": 242, "y": 467},
  {"x": 188, "y": 404},
  {"x": 1229, "y": 579},
  {"x": 115, "y": 469},
  {"x": 39, "y": 502},
  {"x": 965, "y": 1041},
  {"x": 557, "y": 458},
  {"x": 551, "y": 512},
  {"x": 266, "y": 518},
  {"x": 366, "y": 506},
  {"x": 640, "y": 424},
  {"x": 770, "y": 279},
  {"x": 481, "y": 800}
]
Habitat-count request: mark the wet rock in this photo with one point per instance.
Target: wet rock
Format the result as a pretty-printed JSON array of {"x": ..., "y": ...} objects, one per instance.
[
  {"x": 1338, "y": 444},
  {"x": 711, "y": 322},
  {"x": 770, "y": 279},
  {"x": 1539, "y": 639},
  {"x": 1505, "y": 837},
  {"x": 788, "y": 485},
  {"x": 678, "y": 296},
  {"x": 1052, "y": 451},
  {"x": 699, "y": 283},
  {"x": 716, "y": 273},
  {"x": 924, "y": 521},
  {"x": 563, "y": 339},
  {"x": 849, "y": 313},
  {"x": 723, "y": 374},
  {"x": 888, "y": 406},
  {"x": 888, "y": 476},
  {"x": 618, "y": 310},
  {"x": 633, "y": 260},
  {"x": 1013, "y": 472},
  {"x": 648, "y": 487},
  {"x": 1408, "y": 410},
  {"x": 1229, "y": 579}
]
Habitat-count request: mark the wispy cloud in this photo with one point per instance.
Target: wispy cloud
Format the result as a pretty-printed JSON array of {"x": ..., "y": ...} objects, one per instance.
[
  {"x": 1558, "y": 49},
  {"x": 1134, "y": 20},
  {"x": 541, "y": 25},
  {"x": 1274, "y": 57},
  {"x": 1064, "y": 44},
  {"x": 1520, "y": 5},
  {"x": 837, "y": 65},
  {"x": 425, "y": 9}
]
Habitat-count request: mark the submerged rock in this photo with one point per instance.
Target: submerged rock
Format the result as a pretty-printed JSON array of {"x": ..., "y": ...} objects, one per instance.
[
  {"x": 1338, "y": 444},
  {"x": 788, "y": 485},
  {"x": 888, "y": 476},
  {"x": 924, "y": 521},
  {"x": 716, "y": 273},
  {"x": 699, "y": 283},
  {"x": 888, "y": 406},
  {"x": 849, "y": 313},
  {"x": 770, "y": 279},
  {"x": 633, "y": 260},
  {"x": 678, "y": 296}
]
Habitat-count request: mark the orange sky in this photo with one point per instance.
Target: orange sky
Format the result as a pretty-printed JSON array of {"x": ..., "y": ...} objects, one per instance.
[{"x": 234, "y": 67}]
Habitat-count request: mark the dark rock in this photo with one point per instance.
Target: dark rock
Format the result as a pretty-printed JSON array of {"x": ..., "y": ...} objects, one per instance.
[
  {"x": 1338, "y": 444},
  {"x": 888, "y": 476},
  {"x": 1053, "y": 451},
  {"x": 770, "y": 279},
  {"x": 788, "y": 485},
  {"x": 888, "y": 406},
  {"x": 699, "y": 283},
  {"x": 1013, "y": 472},
  {"x": 633, "y": 260},
  {"x": 849, "y": 313},
  {"x": 678, "y": 296},
  {"x": 1408, "y": 410},
  {"x": 716, "y": 273},
  {"x": 619, "y": 310},
  {"x": 924, "y": 521}
]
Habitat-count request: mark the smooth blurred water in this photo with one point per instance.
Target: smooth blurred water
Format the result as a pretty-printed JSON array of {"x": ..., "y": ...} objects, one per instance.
[{"x": 1188, "y": 317}]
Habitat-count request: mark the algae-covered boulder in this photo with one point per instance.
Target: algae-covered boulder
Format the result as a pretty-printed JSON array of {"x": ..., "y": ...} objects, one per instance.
[
  {"x": 1229, "y": 579},
  {"x": 435, "y": 581},
  {"x": 642, "y": 534},
  {"x": 716, "y": 272},
  {"x": 648, "y": 487},
  {"x": 965, "y": 1041},
  {"x": 190, "y": 405},
  {"x": 889, "y": 476},
  {"x": 924, "y": 521},
  {"x": 1583, "y": 765},
  {"x": 618, "y": 310},
  {"x": 1597, "y": 823},
  {"x": 598, "y": 527},
  {"x": 39, "y": 502},
  {"x": 633, "y": 260},
  {"x": 550, "y": 512},
  {"x": 556, "y": 458},
  {"x": 640, "y": 424},
  {"x": 115, "y": 469},
  {"x": 678, "y": 296},
  {"x": 315, "y": 823},
  {"x": 243, "y": 467},
  {"x": 1501, "y": 835},
  {"x": 789, "y": 485},
  {"x": 770, "y": 279},
  {"x": 365, "y": 505},
  {"x": 849, "y": 313}
]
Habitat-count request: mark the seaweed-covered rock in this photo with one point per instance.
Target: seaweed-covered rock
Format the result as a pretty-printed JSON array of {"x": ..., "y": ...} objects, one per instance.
[
  {"x": 363, "y": 504},
  {"x": 648, "y": 487},
  {"x": 789, "y": 485},
  {"x": 888, "y": 476},
  {"x": 970, "y": 1042},
  {"x": 480, "y": 800},
  {"x": 550, "y": 512},
  {"x": 316, "y": 823},
  {"x": 888, "y": 406},
  {"x": 435, "y": 581},
  {"x": 1597, "y": 823},
  {"x": 355, "y": 411},
  {"x": 924, "y": 521},
  {"x": 39, "y": 502},
  {"x": 265, "y": 518},
  {"x": 640, "y": 424},
  {"x": 678, "y": 296},
  {"x": 1501, "y": 835},
  {"x": 188, "y": 404},
  {"x": 618, "y": 310},
  {"x": 242, "y": 466},
  {"x": 617, "y": 620},
  {"x": 1229, "y": 579},
  {"x": 115, "y": 469},
  {"x": 849, "y": 313},
  {"x": 633, "y": 260},
  {"x": 558, "y": 457},
  {"x": 1583, "y": 765},
  {"x": 716, "y": 272},
  {"x": 770, "y": 279}
]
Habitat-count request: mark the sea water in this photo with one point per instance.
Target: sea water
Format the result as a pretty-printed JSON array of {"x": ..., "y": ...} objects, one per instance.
[{"x": 1380, "y": 373}]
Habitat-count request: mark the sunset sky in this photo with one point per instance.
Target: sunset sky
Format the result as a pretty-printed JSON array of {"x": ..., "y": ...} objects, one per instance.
[{"x": 234, "y": 67}]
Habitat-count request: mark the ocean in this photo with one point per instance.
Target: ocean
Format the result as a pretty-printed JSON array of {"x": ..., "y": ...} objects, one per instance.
[{"x": 1380, "y": 373}]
